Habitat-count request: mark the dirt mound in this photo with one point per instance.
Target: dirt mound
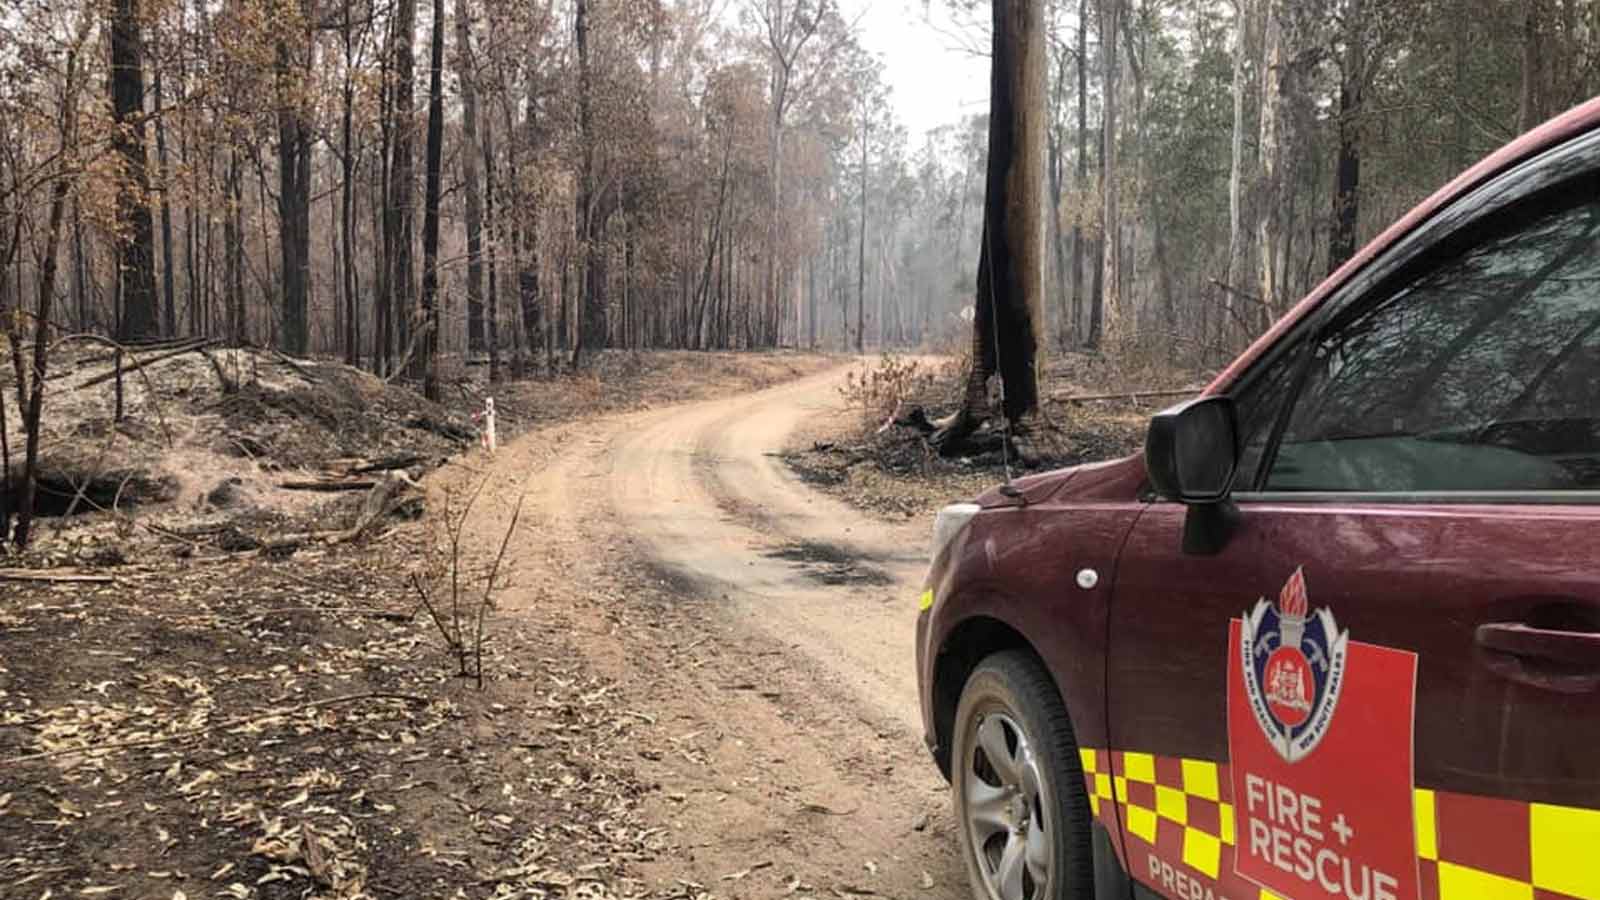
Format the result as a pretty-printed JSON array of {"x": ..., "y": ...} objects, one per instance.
[
  {"x": 197, "y": 427},
  {"x": 197, "y": 451}
]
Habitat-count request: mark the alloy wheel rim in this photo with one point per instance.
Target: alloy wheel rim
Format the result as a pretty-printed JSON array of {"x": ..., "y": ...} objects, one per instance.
[{"x": 1005, "y": 805}]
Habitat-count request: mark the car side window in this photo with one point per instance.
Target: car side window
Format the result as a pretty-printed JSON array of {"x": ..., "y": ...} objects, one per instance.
[
  {"x": 1258, "y": 406},
  {"x": 1480, "y": 373}
]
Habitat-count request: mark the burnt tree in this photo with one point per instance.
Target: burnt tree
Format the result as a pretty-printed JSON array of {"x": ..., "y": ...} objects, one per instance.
[
  {"x": 1010, "y": 290},
  {"x": 592, "y": 282},
  {"x": 136, "y": 241},
  {"x": 430, "y": 212},
  {"x": 402, "y": 179},
  {"x": 296, "y": 133},
  {"x": 471, "y": 183}
]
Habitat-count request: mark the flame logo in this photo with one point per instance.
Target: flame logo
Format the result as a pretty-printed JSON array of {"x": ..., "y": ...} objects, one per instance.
[{"x": 1292, "y": 602}]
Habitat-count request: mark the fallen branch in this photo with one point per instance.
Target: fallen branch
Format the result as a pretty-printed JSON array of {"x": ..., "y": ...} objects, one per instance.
[
  {"x": 120, "y": 370},
  {"x": 443, "y": 429},
  {"x": 54, "y": 575},
  {"x": 411, "y": 350},
  {"x": 380, "y": 500},
  {"x": 1129, "y": 395},
  {"x": 302, "y": 370},
  {"x": 230, "y": 723},
  {"x": 363, "y": 466},
  {"x": 145, "y": 347},
  {"x": 329, "y": 485},
  {"x": 366, "y": 612},
  {"x": 229, "y": 385},
  {"x": 147, "y": 361}
]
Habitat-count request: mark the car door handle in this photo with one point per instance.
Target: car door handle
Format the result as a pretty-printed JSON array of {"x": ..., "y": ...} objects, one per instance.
[
  {"x": 1568, "y": 648},
  {"x": 1566, "y": 662}
]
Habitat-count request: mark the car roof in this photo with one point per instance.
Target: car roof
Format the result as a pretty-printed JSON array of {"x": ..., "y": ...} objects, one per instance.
[{"x": 1569, "y": 124}]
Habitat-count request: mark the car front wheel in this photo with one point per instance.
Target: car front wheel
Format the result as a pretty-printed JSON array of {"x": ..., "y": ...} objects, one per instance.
[{"x": 1021, "y": 808}]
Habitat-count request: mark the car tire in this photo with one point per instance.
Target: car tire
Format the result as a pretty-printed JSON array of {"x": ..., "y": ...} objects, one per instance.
[{"x": 1022, "y": 813}]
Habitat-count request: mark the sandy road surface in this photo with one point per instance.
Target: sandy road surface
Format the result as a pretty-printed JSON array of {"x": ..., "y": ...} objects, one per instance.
[
  {"x": 764, "y": 630},
  {"x": 705, "y": 491}
]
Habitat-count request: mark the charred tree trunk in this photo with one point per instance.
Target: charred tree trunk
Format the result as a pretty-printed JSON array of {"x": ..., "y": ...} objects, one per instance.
[
  {"x": 469, "y": 174},
  {"x": 521, "y": 220},
  {"x": 33, "y": 386},
  {"x": 402, "y": 177},
  {"x": 80, "y": 270},
  {"x": 429, "y": 357},
  {"x": 233, "y": 248},
  {"x": 294, "y": 184},
  {"x": 1347, "y": 180},
  {"x": 1531, "y": 99},
  {"x": 384, "y": 214},
  {"x": 136, "y": 245},
  {"x": 811, "y": 303},
  {"x": 591, "y": 312},
  {"x": 861, "y": 237},
  {"x": 347, "y": 228},
  {"x": 169, "y": 309},
  {"x": 493, "y": 323},
  {"x": 1010, "y": 296}
]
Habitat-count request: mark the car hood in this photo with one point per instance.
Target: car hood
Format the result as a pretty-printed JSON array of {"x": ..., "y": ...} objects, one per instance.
[{"x": 1116, "y": 479}]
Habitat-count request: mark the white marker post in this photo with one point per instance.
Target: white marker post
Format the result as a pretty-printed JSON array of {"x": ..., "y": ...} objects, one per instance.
[{"x": 491, "y": 441}]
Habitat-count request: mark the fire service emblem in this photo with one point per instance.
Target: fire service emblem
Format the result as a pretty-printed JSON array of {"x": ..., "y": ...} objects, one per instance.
[{"x": 1293, "y": 663}]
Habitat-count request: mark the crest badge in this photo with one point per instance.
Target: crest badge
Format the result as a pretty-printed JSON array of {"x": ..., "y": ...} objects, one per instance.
[{"x": 1293, "y": 662}]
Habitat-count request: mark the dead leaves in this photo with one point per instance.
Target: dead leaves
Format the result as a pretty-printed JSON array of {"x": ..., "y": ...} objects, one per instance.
[
  {"x": 194, "y": 728},
  {"x": 303, "y": 851}
]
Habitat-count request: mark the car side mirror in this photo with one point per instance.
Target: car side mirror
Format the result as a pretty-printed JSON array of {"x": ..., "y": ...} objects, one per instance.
[
  {"x": 1192, "y": 451},
  {"x": 1191, "y": 455}
]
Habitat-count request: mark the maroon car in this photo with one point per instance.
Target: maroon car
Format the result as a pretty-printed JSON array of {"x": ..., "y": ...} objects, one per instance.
[{"x": 1336, "y": 633}]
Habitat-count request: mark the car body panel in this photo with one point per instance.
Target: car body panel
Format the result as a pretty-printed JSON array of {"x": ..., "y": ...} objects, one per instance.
[
  {"x": 1018, "y": 564},
  {"x": 1420, "y": 578},
  {"x": 1494, "y": 597},
  {"x": 1028, "y": 586}
]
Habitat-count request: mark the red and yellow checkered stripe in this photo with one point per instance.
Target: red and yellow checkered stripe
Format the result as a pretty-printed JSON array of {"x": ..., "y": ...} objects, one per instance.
[{"x": 1469, "y": 847}]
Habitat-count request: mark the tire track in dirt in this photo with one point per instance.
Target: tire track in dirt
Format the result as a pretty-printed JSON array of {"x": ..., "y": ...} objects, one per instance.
[
  {"x": 764, "y": 630},
  {"x": 702, "y": 488}
]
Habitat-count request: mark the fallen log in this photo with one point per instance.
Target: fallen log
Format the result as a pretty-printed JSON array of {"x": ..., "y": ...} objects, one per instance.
[
  {"x": 54, "y": 575},
  {"x": 446, "y": 430},
  {"x": 329, "y": 485},
  {"x": 381, "y": 499},
  {"x": 364, "y": 466}
]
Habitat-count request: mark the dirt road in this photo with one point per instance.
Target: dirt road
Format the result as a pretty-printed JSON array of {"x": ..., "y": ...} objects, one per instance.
[
  {"x": 703, "y": 488},
  {"x": 763, "y": 631}
]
